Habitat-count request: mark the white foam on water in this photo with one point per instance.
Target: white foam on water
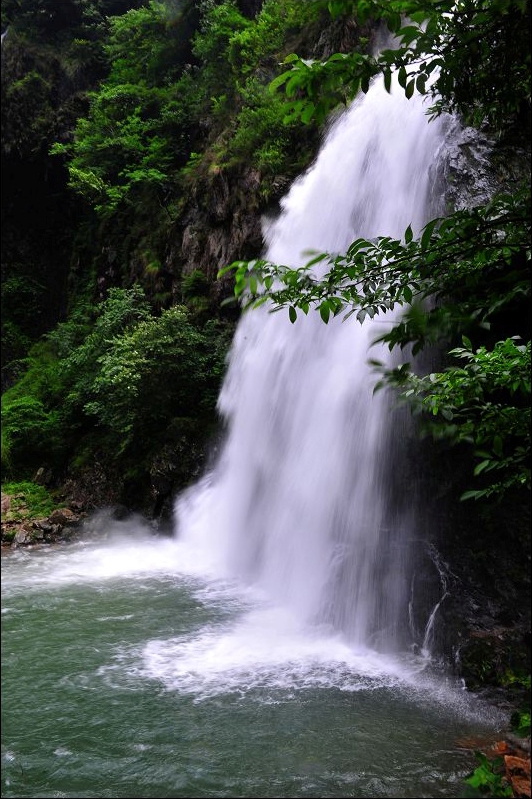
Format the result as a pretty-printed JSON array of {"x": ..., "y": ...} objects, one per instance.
[{"x": 266, "y": 654}]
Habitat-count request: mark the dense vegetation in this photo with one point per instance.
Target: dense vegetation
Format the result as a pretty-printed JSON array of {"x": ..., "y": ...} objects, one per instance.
[
  {"x": 138, "y": 101},
  {"x": 112, "y": 113}
]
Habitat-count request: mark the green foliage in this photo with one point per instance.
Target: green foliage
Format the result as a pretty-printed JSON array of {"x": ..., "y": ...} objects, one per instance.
[
  {"x": 254, "y": 43},
  {"x": 28, "y": 500},
  {"x": 137, "y": 44},
  {"x": 465, "y": 273},
  {"x": 123, "y": 145},
  {"x": 29, "y": 98},
  {"x": 54, "y": 21},
  {"x": 31, "y": 421},
  {"x": 488, "y": 777},
  {"x": 161, "y": 368},
  {"x": 128, "y": 156},
  {"x": 122, "y": 310},
  {"x": 15, "y": 344},
  {"x": 145, "y": 127},
  {"x": 71, "y": 333},
  {"x": 138, "y": 129},
  {"x": 41, "y": 411},
  {"x": 213, "y": 43},
  {"x": 466, "y": 55},
  {"x": 196, "y": 291},
  {"x": 518, "y": 679},
  {"x": 114, "y": 386},
  {"x": 520, "y": 721},
  {"x": 51, "y": 56},
  {"x": 445, "y": 264},
  {"x": 260, "y": 135},
  {"x": 31, "y": 432},
  {"x": 6, "y": 460},
  {"x": 195, "y": 285},
  {"x": 238, "y": 56},
  {"x": 484, "y": 402}
]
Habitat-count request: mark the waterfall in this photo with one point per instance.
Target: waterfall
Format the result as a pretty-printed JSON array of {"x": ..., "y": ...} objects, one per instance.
[{"x": 301, "y": 501}]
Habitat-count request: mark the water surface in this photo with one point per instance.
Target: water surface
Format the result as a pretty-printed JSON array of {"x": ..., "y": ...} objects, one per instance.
[{"x": 126, "y": 672}]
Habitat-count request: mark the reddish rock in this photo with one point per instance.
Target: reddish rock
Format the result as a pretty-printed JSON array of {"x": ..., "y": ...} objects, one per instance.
[
  {"x": 518, "y": 775},
  {"x": 501, "y": 748}
]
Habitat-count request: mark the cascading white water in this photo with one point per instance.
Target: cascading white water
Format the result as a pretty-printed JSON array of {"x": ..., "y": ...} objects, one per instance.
[{"x": 299, "y": 502}]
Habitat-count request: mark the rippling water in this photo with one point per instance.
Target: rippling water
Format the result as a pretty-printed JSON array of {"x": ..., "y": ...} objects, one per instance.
[{"x": 129, "y": 671}]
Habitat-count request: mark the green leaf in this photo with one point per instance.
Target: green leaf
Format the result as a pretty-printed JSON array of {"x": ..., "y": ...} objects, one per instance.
[
  {"x": 419, "y": 16},
  {"x": 325, "y": 311},
  {"x": 420, "y": 83},
  {"x": 427, "y": 233},
  {"x": 292, "y": 313},
  {"x": 482, "y": 466},
  {"x": 253, "y": 284},
  {"x": 291, "y": 58},
  {"x": 308, "y": 112},
  {"x": 497, "y": 445},
  {"x": 473, "y": 494},
  {"x": 224, "y": 270},
  {"x": 278, "y": 81},
  {"x": 317, "y": 259},
  {"x": 409, "y": 89},
  {"x": 240, "y": 287}
]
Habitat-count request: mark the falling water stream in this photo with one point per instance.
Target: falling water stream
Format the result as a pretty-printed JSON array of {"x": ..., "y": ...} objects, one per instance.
[
  {"x": 266, "y": 649},
  {"x": 301, "y": 494}
]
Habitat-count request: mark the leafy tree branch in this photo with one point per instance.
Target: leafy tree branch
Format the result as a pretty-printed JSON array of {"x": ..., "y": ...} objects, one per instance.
[{"x": 465, "y": 271}]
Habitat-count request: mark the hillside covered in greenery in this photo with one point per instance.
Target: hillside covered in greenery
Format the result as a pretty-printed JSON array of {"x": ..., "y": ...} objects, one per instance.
[{"x": 142, "y": 144}]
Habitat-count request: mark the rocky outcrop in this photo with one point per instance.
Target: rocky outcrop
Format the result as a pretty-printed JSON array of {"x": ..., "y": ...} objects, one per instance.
[
  {"x": 222, "y": 224},
  {"x": 223, "y": 207},
  {"x": 18, "y": 531},
  {"x": 511, "y": 760}
]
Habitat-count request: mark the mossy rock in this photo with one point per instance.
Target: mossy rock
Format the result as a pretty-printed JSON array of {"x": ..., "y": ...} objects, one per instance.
[{"x": 494, "y": 658}]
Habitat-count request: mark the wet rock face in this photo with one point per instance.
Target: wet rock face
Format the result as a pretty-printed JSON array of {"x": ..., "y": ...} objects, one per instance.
[
  {"x": 494, "y": 656},
  {"x": 483, "y": 626},
  {"x": 483, "y": 629},
  {"x": 18, "y": 531},
  {"x": 222, "y": 224},
  {"x": 478, "y": 166},
  {"x": 221, "y": 221}
]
